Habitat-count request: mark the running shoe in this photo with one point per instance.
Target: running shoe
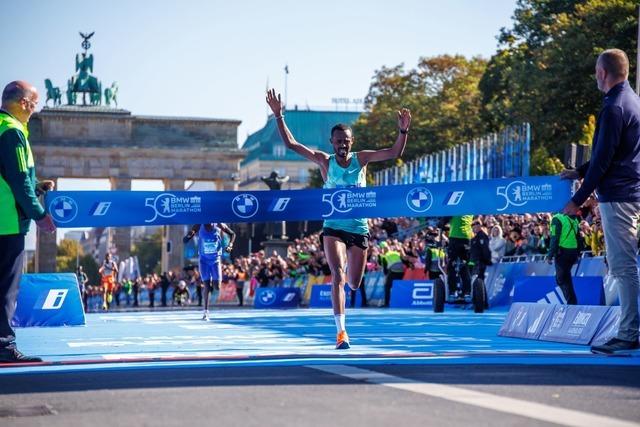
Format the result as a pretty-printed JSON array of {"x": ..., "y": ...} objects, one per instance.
[
  {"x": 342, "y": 341},
  {"x": 205, "y": 316}
]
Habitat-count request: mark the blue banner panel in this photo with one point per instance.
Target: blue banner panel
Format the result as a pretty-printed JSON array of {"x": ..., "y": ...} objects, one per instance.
[
  {"x": 539, "y": 268},
  {"x": 501, "y": 281},
  {"x": 591, "y": 266},
  {"x": 321, "y": 296},
  {"x": 543, "y": 289},
  {"x": 49, "y": 300},
  {"x": 412, "y": 294},
  {"x": 277, "y": 298},
  {"x": 526, "y": 320},
  {"x": 608, "y": 326},
  {"x": 573, "y": 324},
  {"x": 131, "y": 208},
  {"x": 374, "y": 284}
]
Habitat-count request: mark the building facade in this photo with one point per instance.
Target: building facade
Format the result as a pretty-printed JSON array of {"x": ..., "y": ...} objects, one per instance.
[{"x": 266, "y": 151}]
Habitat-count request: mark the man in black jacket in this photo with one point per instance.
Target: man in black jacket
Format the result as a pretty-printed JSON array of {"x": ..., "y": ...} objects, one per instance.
[
  {"x": 480, "y": 254},
  {"x": 614, "y": 172}
]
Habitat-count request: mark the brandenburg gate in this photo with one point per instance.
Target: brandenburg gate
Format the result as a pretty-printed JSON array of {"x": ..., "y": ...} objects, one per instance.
[{"x": 96, "y": 141}]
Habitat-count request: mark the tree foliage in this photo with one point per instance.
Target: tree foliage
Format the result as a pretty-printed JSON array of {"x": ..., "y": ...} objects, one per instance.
[
  {"x": 315, "y": 178},
  {"x": 543, "y": 71},
  {"x": 443, "y": 96},
  {"x": 149, "y": 252},
  {"x": 69, "y": 251}
]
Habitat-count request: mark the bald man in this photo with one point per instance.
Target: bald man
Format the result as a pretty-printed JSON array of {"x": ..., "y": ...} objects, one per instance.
[
  {"x": 18, "y": 205},
  {"x": 614, "y": 173}
]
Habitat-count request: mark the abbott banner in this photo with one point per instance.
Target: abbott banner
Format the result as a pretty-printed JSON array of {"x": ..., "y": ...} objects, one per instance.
[
  {"x": 412, "y": 294},
  {"x": 49, "y": 300},
  {"x": 131, "y": 208}
]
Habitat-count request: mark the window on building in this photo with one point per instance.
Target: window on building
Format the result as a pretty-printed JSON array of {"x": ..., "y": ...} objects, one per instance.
[
  {"x": 279, "y": 150},
  {"x": 303, "y": 175}
]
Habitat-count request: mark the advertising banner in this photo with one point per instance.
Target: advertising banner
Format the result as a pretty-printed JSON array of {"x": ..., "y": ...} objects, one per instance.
[
  {"x": 543, "y": 289},
  {"x": 412, "y": 294},
  {"x": 49, "y": 300},
  {"x": 573, "y": 324},
  {"x": 526, "y": 320},
  {"x": 133, "y": 208},
  {"x": 277, "y": 298}
]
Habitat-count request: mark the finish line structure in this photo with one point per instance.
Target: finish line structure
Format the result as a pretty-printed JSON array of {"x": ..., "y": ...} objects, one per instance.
[{"x": 135, "y": 208}]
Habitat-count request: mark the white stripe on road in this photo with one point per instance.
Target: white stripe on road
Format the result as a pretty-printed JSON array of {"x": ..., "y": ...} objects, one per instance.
[{"x": 508, "y": 405}]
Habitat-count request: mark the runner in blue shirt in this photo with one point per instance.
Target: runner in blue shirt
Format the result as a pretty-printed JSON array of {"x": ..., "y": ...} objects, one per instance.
[{"x": 210, "y": 252}]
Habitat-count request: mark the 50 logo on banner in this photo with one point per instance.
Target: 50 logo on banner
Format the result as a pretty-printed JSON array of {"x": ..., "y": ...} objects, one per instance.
[
  {"x": 344, "y": 201},
  {"x": 167, "y": 205},
  {"x": 518, "y": 193}
]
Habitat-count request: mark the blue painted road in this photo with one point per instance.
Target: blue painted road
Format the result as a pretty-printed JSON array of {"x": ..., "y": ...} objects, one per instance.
[{"x": 243, "y": 337}]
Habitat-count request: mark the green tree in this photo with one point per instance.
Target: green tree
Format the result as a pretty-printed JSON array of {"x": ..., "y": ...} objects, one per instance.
[
  {"x": 544, "y": 164},
  {"x": 444, "y": 98},
  {"x": 543, "y": 71},
  {"x": 588, "y": 130},
  {"x": 69, "y": 251},
  {"x": 315, "y": 178},
  {"x": 90, "y": 267},
  {"x": 149, "y": 252}
]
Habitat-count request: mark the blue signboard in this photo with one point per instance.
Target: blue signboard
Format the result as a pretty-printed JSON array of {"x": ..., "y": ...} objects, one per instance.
[
  {"x": 543, "y": 289},
  {"x": 131, "y": 208},
  {"x": 412, "y": 294},
  {"x": 526, "y": 320},
  {"x": 591, "y": 266},
  {"x": 49, "y": 300},
  {"x": 501, "y": 281},
  {"x": 277, "y": 298},
  {"x": 321, "y": 296},
  {"x": 608, "y": 326},
  {"x": 573, "y": 324}
]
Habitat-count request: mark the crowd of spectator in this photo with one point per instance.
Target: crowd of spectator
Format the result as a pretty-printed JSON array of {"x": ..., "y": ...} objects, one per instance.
[{"x": 509, "y": 236}]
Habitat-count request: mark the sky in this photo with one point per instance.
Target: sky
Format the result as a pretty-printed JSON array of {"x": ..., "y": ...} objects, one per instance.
[{"x": 214, "y": 59}]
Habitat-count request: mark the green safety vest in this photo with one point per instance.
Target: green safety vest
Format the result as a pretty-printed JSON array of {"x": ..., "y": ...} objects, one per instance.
[
  {"x": 569, "y": 237},
  {"x": 460, "y": 227},
  {"x": 394, "y": 261},
  {"x": 436, "y": 255},
  {"x": 9, "y": 217}
]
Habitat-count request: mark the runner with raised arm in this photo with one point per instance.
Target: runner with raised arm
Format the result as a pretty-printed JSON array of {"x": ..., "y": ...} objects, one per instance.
[{"x": 345, "y": 241}]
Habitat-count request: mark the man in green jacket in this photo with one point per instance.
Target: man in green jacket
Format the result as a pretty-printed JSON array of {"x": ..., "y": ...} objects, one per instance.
[
  {"x": 18, "y": 205},
  {"x": 564, "y": 250}
]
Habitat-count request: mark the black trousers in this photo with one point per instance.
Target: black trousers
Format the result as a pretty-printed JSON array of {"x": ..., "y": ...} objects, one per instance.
[
  {"x": 163, "y": 295},
  {"x": 564, "y": 261},
  {"x": 363, "y": 295},
  {"x": 11, "y": 263},
  {"x": 458, "y": 249},
  {"x": 388, "y": 282}
]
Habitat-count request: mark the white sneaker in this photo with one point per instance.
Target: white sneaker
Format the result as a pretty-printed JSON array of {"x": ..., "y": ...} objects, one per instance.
[{"x": 205, "y": 317}]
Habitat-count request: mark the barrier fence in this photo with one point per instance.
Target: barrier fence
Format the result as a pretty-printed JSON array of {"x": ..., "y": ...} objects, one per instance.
[
  {"x": 501, "y": 279},
  {"x": 498, "y": 155}
]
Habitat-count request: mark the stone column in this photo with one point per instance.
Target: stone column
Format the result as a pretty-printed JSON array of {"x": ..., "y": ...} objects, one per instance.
[
  {"x": 172, "y": 235},
  {"x": 46, "y": 246},
  {"x": 121, "y": 235},
  {"x": 224, "y": 185}
]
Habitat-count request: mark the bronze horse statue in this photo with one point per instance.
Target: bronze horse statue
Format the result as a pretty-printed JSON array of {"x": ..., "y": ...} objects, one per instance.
[
  {"x": 111, "y": 94},
  {"x": 53, "y": 93}
]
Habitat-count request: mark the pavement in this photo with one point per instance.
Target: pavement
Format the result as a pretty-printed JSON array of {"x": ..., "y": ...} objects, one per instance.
[{"x": 279, "y": 367}]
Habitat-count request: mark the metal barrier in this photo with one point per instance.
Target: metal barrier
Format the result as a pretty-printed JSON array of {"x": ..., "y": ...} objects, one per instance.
[{"x": 498, "y": 155}]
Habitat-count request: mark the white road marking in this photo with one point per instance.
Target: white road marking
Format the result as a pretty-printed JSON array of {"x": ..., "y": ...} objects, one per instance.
[{"x": 523, "y": 408}]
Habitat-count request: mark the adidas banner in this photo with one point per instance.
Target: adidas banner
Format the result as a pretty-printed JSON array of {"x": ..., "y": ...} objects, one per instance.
[{"x": 131, "y": 208}]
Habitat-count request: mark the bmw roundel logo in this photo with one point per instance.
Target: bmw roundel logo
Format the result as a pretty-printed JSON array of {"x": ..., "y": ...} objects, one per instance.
[
  {"x": 63, "y": 209},
  {"x": 244, "y": 205},
  {"x": 268, "y": 297},
  {"x": 419, "y": 199}
]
